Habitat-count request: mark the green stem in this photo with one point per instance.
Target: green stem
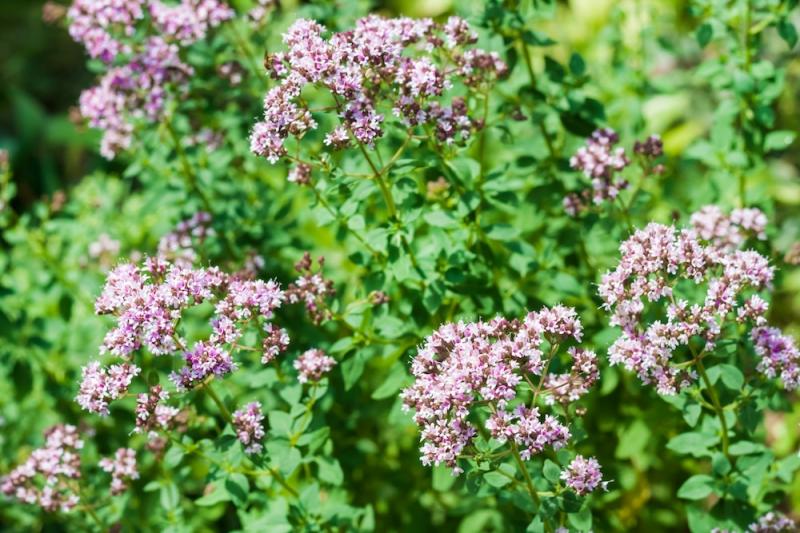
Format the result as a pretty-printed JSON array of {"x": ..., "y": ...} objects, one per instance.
[
  {"x": 390, "y": 205},
  {"x": 742, "y": 200},
  {"x": 221, "y": 406},
  {"x": 717, "y": 406},
  {"x": 625, "y": 215},
  {"x": 528, "y": 482}
]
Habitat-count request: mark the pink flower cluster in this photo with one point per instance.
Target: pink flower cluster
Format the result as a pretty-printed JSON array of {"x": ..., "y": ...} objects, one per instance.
[
  {"x": 178, "y": 246},
  {"x": 656, "y": 264},
  {"x": 488, "y": 366},
  {"x": 104, "y": 248},
  {"x": 773, "y": 523},
  {"x": 152, "y": 414},
  {"x": 105, "y": 27},
  {"x": 311, "y": 288},
  {"x": 729, "y": 232},
  {"x": 312, "y": 365},
  {"x": 148, "y": 304},
  {"x": 248, "y": 423},
  {"x": 600, "y": 160},
  {"x": 583, "y": 475},
  {"x": 779, "y": 356},
  {"x": 405, "y": 64},
  {"x": 769, "y": 523},
  {"x": 100, "y": 386},
  {"x": 99, "y": 25},
  {"x": 138, "y": 89},
  {"x": 44, "y": 478},
  {"x": 190, "y": 20},
  {"x": 258, "y": 13},
  {"x": 122, "y": 467}
]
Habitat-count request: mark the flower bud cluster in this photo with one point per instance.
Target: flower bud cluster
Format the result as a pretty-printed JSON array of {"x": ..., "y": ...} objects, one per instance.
[
  {"x": 248, "y": 423},
  {"x": 402, "y": 64},
  {"x": 44, "y": 479},
  {"x": 583, "y": 475},
  {"x": 779, "y": 356},
  {"x": 490, "y": 367},
  {"x": 729, "y": 232},
  {"x": 179, "y": 245},
  {"x": 100, "y": 24},
  {"x": 136, "y": 90},
  {"x": 122, "y": 467},
  {"x": 138, "y": 86},
  {"x": 311, "y": 288},
  {"x": 312, "y": 365},
  {"x": 148, "y": 303},
  {"x": 190, "y": 20},
  {"x": 670, "y": 267},
  {"x": 152, "y": 414},
  {"x": 769, "y": 523},
  {"x": 601, "y": 160}
]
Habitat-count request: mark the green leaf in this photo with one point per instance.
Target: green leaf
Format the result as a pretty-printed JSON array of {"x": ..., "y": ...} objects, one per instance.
[
  {"x": 342, "y": 346},
  {"x": 356, "y": 223},
  {"x": 173, "y": 456},
  {"x": 238, "y": 487},
  {"x": 745, "y": 447},
  {"x": 731, "y": 376},
  {"x": 465, "y": 168},
  {"x": 352, "y": 369},
  {"x": 582, "y": 520},
  {"x": 577, "y": 65},
  {"x": 396, "y": 379},
  {"x": 496, "y": 479},
  {"x": 692, "y": 443},
  {"x": 691, "y": 413},
  {"x": 330, "y": 471},
  {"x": 169, "y": 496},
  {"x": 704, "y": 34},
  {"x": 443, "y": 478},
  {"x": 440, "y": 219},
  {"x": 778, "y": 140},
  {"x": 633, "y": 440},
  {"x": 551, "y": 471},
  {"x": 787, "y": 467},
  {"x": 501, "y": 232},
  {"x": 696, "y": 487},
  {"x": 391, "y": 327},
  {"x": 214, "y": 495},
  {"x": 720, "y": 464},
  {"x": 280, "y": 422},
  {"x": 535, "y": 38},
  {"x": 788, "y": 32}
]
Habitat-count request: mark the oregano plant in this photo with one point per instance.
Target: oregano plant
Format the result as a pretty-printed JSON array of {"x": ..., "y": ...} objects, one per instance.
[{"x": 364, "y": 266}]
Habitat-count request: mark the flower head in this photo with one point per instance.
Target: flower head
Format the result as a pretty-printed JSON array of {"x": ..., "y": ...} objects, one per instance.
[
  {"x": 122, "y": 467},
  {"x": 44, "y": 479},
  {"x": 465, "y": 367},
  {"x": 583, "y": 475},
  {"x": 248, "y": 423},
  {"x": 380, "y": 62},
  {"x": 312, "y": 365},
  {"x": 661, "y": 263}
]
